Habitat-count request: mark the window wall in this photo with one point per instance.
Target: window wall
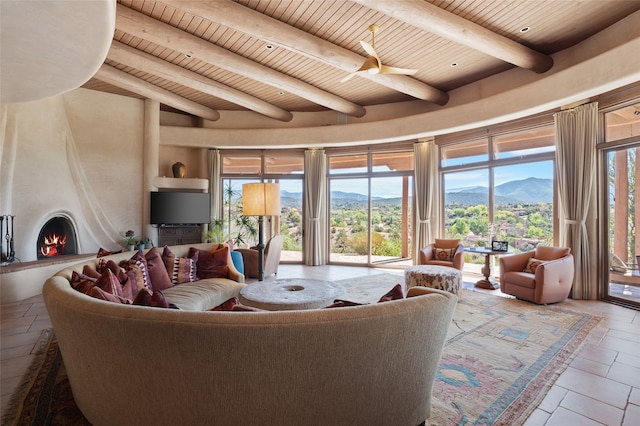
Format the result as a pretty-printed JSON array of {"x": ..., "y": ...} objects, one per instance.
[
  {"x": 499, "y": 187},
  {"x": 283, "y": 167},
  {"x": 371, "y": 207}
]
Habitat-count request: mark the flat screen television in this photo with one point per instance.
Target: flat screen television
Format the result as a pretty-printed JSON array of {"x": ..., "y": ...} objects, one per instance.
[{"x": 180, "y": 208}]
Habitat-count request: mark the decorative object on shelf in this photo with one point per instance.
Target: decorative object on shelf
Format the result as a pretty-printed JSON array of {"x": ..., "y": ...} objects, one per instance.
[
  {"x": 130, "y": 240},
  {"x": 148, "y": 243},
  {"x": 179, "y": 170},
  {"x": 261, "y": 199}
]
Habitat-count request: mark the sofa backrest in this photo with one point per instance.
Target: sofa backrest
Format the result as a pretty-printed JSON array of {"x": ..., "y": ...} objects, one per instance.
[{"x": 371, "y": 364}]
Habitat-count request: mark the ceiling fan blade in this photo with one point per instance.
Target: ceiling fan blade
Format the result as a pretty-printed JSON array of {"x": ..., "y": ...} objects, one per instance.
[
  {"x": 371, "y": 51},
  {"x": 394, "y": 70}
]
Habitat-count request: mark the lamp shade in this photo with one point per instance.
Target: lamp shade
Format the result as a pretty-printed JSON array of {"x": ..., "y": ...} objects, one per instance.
[{"x": 261, "y": 199}]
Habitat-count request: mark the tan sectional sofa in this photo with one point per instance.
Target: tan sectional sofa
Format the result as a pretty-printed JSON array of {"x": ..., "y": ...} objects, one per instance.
[{"x": 135, "y": 365}]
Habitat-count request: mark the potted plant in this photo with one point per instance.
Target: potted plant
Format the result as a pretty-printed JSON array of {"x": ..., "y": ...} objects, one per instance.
[{"x": 129, "y": 241}]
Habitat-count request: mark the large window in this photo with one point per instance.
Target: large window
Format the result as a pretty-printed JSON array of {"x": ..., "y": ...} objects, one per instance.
[
  {"x": 500, "y": 187},
  {"x": 622, "y": 197},
  {"x": 285, "y": 168},
  {"x": 370, "y": 202}
]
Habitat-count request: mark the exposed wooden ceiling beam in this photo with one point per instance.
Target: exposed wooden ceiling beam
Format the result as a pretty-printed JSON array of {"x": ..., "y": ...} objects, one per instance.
[
  {"x": 254, "y": 23},
  {"x": 426, "y": 16},
  {"x": 143, "y": 26},
  {"x": 142, "y": 61},
  {"x": 118, "y": 78}
]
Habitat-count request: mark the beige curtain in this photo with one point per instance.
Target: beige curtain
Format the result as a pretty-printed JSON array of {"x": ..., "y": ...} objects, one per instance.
[
  {"x": 315, "y": 194},
  {"x": 215, "y": 184},
  {"x": 427, "y": 183},
  {"x": 576, "y": 132}
]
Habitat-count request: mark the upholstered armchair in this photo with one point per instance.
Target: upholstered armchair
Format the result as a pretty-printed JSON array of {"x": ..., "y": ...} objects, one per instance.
[
  {"x": 271, "y": 258},
  {"x": 443, "y": 252},
  {"x": 541, "y": 276}
]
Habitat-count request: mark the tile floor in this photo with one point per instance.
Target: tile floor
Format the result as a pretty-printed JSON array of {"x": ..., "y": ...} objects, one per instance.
[{"x": 600, "y": 387}]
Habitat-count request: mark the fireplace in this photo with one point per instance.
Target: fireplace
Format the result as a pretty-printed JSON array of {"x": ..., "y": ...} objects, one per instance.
[{"x": 57, "y": 238}]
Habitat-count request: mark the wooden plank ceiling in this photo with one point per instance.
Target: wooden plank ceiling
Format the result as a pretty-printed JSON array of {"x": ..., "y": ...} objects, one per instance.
[{"x": 281, "y": 56}]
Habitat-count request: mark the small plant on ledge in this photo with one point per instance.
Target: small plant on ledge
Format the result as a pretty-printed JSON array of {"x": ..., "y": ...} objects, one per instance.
[{"x": 130, "y": 240}]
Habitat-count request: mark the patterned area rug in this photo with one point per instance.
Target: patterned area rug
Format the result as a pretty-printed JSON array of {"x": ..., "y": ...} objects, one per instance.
[{"x": 500, "y": 359}]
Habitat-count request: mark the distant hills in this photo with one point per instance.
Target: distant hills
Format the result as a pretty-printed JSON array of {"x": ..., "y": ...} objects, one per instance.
[{"x": 526, "y": 191}]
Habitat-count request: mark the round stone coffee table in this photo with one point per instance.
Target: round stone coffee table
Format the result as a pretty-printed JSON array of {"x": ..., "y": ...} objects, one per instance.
[
  {"x": 290, "y": 294},
  {"x": 434, "y": 276}
]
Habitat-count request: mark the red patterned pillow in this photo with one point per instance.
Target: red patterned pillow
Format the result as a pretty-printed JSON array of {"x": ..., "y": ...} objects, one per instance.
[
  {"x": 82, "y": 282},
  {"x": 394, "y": 294},
  {"x": 102, "y": 252},
  {"x": 180, "y": 269},
  {"x": 234, "y": 305},
  {"x": 211, "y": 264},
  {"x": 99, "y": 293},
  {"x": 532, "y": 264},
  {"x": 444, "y": 254},
  {"x": 109, "y": 283},
  {"x": 338, "y": 303},
  {"x": 146, "y": 297},
  {"x": 90, "y": 272},
  {"x": 157, "y": 272},
  {"x": 136, "y": 269}
]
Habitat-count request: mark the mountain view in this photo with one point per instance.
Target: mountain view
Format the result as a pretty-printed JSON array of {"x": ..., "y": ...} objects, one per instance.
[{"x": 526, "y": 191}]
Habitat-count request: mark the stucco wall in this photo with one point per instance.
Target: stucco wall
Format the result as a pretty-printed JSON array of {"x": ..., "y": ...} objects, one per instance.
[{"x": 79, "y": 155}]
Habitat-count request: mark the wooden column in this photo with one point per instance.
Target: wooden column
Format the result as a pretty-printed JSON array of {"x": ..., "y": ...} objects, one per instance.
[
  {"x": 621, "y": 207},
  {"x": 405, "y": 217}
]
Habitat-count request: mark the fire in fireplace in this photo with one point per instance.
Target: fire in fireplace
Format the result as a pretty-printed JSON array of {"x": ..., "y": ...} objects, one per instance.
[{"x": 57, "y": 238}]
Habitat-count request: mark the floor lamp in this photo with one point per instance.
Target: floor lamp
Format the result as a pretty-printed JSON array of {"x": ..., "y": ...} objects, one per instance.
[{"x": 261, "y": 199}]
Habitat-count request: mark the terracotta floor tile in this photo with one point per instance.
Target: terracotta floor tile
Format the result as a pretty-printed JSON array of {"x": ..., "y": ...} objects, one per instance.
[
  {"x": 593, "y": 409},
  {"x": 564, "y": 417},
  {"x": 553, "y": 398},
  {"x": 598, "y": 354},
  {"x": 632, "y": 416},
  {"x": 608, "y": 391},
  {"x": 593, "y": 367},
  {"x": 624, "y": 373},
  {"x": 621, "y": 345}
]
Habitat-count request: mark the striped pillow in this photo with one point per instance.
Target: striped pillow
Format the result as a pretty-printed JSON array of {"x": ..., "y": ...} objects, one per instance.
[{"x": 180, "y": 269}]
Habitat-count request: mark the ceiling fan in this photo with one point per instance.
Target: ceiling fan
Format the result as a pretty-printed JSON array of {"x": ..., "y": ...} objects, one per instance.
[{"x": 373, "y": 64}]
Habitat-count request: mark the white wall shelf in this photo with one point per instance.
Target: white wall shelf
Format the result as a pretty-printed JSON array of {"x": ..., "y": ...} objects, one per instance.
[{"x": 181, "y": 183}]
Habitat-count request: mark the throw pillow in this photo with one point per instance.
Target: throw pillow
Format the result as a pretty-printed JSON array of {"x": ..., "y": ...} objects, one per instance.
[
  {"x": 394, "y": 294},
  {"x": 211, "y": 264},
  {"x": 338, "y": 303},
  {"x": 155, "y": 299},
  {"x": 138, "y": 264},
  {"x": 102, "y": 252},
  {"x": 532, "y": 264},
  {"x": 234, "y": 305},
  {"x": 444, "y": 254},
  {"x": 157, "y": 272},
  {"x": 99, "y": 293},
  {"x": 180, "y": 269},
  {"x": 109, "y": 283},
  {"x": 82, "y": 282},
  {"x": 90, "y": 272}
]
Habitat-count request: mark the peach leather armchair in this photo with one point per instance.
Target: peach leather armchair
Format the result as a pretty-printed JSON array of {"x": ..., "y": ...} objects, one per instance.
[
  {"x": 427, "y": 254},
  {"x": 272, "y": 251},
  {"x": 550, "y": 283}
]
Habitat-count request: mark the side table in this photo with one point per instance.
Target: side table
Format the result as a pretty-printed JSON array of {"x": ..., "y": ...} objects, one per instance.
[{"x": 487, "y": 282}]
